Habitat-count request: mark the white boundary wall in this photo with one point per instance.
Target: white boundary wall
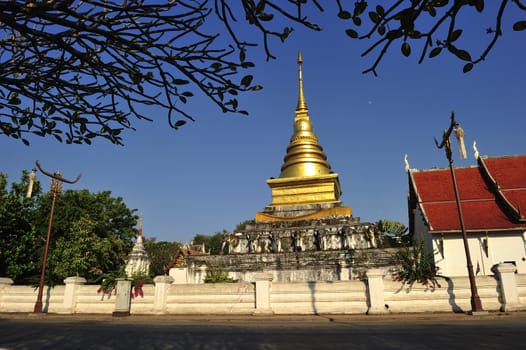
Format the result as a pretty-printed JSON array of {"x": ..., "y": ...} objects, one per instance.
[{"x": 506, "y": 292}]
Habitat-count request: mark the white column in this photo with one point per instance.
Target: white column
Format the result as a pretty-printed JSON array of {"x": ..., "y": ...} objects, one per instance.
[
  {"x": 375, "y": 285},
  {"x": 70, "y": 293},
  {"x": 162, "y": 283},
  {"x": 263, "y": 285},
  {"x": 508, "y": 287}
]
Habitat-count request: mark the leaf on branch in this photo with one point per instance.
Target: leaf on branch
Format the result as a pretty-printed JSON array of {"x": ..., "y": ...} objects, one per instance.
[
  {"x": 454, "y": 35},
  {"x": 266, "y": 17},
  {"x": 394, "y": 34},
  {"x": 435, "y": 52},
  {"x": 406, "y": 49},
  {"x": 352, "y": 33},
  {"x": 479, "y": 5},
  {"x": 180, "y": 81},
  {"x": 285, "y": 34},
  {"x": 431, "y": 10},
  {"x": 374, "y": 17},
  {"x": 467, "y": 67},
  {"x": 179, "y": 123},
  {"x": 14, "y": 100},
  {"x": 247, "y": 79},
  {"x": 380, "y": 10},
  {"x": 135, "y": 77},
  {"x": 520, "y": 25},
  {"x": 344, "y": 14},
  {"x": 462, "y": 54},
  {"x": 359, "y": 7}
]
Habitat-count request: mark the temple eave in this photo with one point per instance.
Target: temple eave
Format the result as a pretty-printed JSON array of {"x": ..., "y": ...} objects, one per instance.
[{"x": 323, "y": 213}]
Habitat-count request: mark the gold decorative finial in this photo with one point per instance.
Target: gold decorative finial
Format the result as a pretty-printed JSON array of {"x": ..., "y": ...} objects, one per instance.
[
  {"x": 302, "y": 105},
  {"x": 140, "y": 225}
]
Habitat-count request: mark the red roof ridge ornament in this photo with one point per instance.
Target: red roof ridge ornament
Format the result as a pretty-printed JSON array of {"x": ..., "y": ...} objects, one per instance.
[{"x": 475, "y": 149}]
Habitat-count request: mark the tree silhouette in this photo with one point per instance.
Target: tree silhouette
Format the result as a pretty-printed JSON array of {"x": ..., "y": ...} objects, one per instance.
[{"x": 79, "y": 70}]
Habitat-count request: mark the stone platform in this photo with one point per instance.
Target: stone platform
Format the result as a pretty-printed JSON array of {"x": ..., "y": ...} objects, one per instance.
[{"x": 330, "y": 265}]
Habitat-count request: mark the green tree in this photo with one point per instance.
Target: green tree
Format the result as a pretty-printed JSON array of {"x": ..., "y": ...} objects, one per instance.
[
  {"x": 91, "y": 233},
  {"x": 212, "y": 243},
  {"x": 86, "y": 253},
  {"x": 161, "y": 254},
  {"x": 242, "y": 225},
  {"x": 79, "y": 70},
  {"x": 19, "y": 241},
  {"x": 392, "y": 233}
]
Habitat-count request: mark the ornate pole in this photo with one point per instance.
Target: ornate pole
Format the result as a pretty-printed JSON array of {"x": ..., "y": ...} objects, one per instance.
[
  {"x": 476, "y": 305},
  {"x": 56, "y": 188}
]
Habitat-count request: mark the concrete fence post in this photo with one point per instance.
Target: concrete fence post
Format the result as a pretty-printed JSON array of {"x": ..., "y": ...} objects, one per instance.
[
  {"x": 162, "y": 283},
  {"x": 375, "y": 291},
  {"x": 202, "y": 274},
  {"x": 5, "y": 282},
  {"x": 123, "y": 298},
  {"x": 70, "y": 293},
  {"x": 263, "y": 285},
  {"x": 508, "y": 287}
]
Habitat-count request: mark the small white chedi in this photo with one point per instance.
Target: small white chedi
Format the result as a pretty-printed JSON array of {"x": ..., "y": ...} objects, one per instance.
[{"x": 138, "y": 261}]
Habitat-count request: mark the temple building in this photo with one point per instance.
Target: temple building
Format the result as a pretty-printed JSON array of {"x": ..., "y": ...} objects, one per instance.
[
  {"x": 306, "y": 233},
  {"x": 138, "y": 262},
  {"x": 492, "y": 196}
]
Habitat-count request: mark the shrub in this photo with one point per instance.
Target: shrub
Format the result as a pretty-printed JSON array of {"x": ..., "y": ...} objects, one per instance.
[
  {"x": 415, "y": 264},
  {"x": 217, "y": 275}
]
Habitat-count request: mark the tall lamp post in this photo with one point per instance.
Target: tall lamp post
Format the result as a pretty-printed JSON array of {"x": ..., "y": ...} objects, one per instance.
[
  {"x": 56, "y": 188},
  {"x": 476, "y": 305}
]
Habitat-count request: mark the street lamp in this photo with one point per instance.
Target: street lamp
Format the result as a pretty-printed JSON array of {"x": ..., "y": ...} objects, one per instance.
[
  {"x": 56, "y": 188},
  {"x": 476, "y": 305}
]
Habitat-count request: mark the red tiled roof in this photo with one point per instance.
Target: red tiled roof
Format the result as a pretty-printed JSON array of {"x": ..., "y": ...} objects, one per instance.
[
  {"x": 182, "y": 254},
  {"x": 508, "y": 176},
  {"x": 483, "y": 207}
]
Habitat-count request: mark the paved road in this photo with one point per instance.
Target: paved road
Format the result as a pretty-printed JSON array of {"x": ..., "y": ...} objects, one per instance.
[{"x": 496, "y": 331}]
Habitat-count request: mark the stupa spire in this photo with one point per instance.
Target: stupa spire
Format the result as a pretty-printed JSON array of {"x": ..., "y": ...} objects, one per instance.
[
  {"x": 302, "y": 105},
  {"x": 139, "y": 233},
  {"x": 305, "y": 156},
  {"x": 306, "y": 187}
]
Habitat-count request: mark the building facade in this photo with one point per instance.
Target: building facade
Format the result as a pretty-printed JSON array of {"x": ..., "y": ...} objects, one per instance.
[{"x": 493, "y": 202}]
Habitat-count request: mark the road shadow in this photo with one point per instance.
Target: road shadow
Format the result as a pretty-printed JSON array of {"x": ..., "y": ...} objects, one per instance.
[{"x": 450, "y": 291}]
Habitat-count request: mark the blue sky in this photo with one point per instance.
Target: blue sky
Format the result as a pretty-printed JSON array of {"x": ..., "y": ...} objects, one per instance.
[{"x": 210, "y": 175}]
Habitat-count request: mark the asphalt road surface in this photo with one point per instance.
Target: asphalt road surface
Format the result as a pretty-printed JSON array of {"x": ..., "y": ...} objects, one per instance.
[{"x": 213, "y": 333}]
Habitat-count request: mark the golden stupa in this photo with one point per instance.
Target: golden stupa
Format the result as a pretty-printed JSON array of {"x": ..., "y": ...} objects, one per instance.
[{"x": 306, "y": 187}]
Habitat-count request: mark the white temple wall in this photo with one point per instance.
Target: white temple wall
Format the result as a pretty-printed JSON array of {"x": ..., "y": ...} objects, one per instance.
[
  {"x": 507, "y": 292},
  {"x": 449, "y": 253},
  {"x": 501, "y": 248}
]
